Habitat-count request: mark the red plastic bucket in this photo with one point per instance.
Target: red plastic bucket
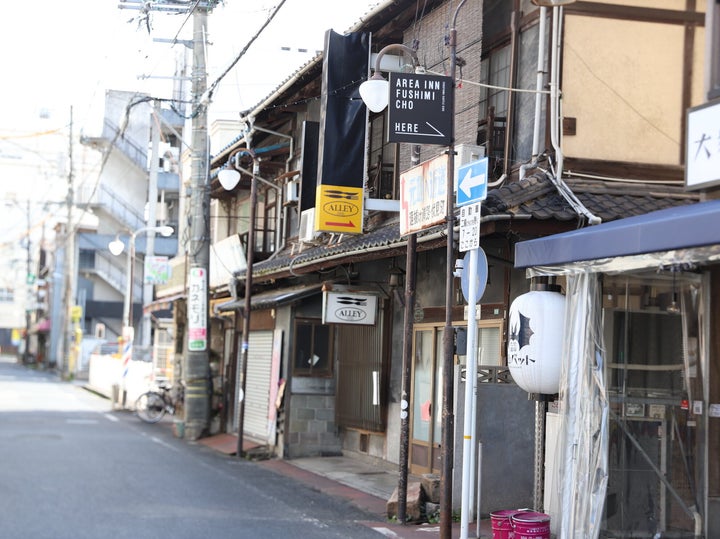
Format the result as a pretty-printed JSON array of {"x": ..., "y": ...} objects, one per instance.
[
  {"x": 530, "y": 525},
  {"x": 502, "y": 527}
]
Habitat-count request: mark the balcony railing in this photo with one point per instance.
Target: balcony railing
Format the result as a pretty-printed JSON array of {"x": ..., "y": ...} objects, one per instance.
[
  {"x": 111, "y": 269},
  {"x": 107, "y": 199},
  {"x": 133, "y": 151}
]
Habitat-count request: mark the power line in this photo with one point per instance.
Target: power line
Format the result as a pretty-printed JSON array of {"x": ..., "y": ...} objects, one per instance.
[{"x": 214, "y": 85}]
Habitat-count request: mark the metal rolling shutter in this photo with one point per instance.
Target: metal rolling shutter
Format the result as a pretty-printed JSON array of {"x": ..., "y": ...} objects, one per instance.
[{"x": 257, "y": 386}]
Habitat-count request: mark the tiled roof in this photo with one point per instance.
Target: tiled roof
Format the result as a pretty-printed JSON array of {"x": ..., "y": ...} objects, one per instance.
[
  {"x": 535, "y": 196},
  {"x": 386, "y": 236}
]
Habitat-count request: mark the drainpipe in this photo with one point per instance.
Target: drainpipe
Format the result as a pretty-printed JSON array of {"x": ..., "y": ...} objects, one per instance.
[
  {"x": 554, "y": 92},
  {"x": 562, "y": 188},
  {"x": 511, "y": 98}
]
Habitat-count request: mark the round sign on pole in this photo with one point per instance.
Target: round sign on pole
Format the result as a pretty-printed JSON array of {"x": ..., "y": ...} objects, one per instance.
[{"x": 481, "y": 275}]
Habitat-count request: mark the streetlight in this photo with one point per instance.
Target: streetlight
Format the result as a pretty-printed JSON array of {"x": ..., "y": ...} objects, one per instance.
[
  {"x": 229, "y": 178},
  {"x": 116, "y": 248},
  {"x": 375, "y": 94}
]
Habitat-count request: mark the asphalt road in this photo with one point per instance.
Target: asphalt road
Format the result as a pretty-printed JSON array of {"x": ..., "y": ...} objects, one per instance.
[{"x": 72, "y": 468}]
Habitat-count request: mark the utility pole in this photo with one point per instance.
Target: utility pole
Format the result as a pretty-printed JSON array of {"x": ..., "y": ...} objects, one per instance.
[
  {"x": 448, "y": 417},
  {"x": 28, "y": 281},
  {"x": 197, "y": 366},
  {"x": 69, "y": 263},
  {"x": 152, "y": 218}
]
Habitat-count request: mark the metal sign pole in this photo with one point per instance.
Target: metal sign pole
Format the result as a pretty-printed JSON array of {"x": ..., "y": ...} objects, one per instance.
[{"x": 470, "y": 375}]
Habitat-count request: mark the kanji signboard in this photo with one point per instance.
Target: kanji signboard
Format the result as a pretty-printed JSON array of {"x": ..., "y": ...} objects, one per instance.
[
  {"x": 197, "y": 310},
  {"x": 470, "y": 227},
  {"x": 423, "y": 195},
  {"x": 702, "y": 161}
]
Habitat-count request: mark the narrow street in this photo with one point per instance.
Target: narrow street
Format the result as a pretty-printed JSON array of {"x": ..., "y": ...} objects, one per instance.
[{"x": 73, "y": 468}]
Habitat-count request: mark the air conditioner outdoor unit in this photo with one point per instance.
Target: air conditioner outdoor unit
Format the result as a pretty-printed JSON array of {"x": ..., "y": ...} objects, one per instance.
[
  {"x": 467, "y": 153},
  {"x": 292, "y": 192},
  {"x": 307, "y": 225}
]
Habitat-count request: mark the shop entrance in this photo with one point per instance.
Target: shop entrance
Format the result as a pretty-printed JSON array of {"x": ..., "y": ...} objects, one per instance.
[
  {"x": 654, "y": 380},
  {"x": 426, "y": 399}
]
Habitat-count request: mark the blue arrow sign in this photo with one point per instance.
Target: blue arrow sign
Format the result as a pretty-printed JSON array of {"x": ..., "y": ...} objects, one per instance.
[{"x": 472, "y": 182}]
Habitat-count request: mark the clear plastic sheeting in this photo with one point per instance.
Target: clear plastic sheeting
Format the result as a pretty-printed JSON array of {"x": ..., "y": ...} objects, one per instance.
[
  {"x": 678, "y": 257},
  {"x": 631, "y": 458},
  {"x": 582, "y": 459}
]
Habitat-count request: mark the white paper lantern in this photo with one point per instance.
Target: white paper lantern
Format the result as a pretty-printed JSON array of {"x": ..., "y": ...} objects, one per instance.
[{"x": 535, "y": 340}]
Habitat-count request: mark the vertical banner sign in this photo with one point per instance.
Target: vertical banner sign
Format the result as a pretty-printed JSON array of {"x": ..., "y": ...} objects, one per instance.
[
  {"x": 197, "y": 309},
  {"x": 343, "y": 123},
  {"x": 309, "y": 169},
  {"x": 423, "y": 195}
]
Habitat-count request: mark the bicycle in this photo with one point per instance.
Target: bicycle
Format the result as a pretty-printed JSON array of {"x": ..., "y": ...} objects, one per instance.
[{"x": 152, "y": 405}]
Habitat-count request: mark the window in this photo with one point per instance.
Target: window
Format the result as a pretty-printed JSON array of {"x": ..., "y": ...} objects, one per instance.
[
  {"x": 86, "y": 259},
  {"x": 493, "y": 105},
  {"x": 381, "y": 161},
  {"x": 714, "y": 40},
  {"x": 313, "y": 348},
  {"x": 489, "y": 343},
  {"x": 266, "y": 212},
  {"x": 7, "y": 295},
  {"x": 267, "y": 222},
  {"x": 495, "y": 71}
]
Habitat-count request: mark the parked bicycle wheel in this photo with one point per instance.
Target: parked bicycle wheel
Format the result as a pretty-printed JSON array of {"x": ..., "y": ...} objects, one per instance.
[{"x": 150, "y": 407}]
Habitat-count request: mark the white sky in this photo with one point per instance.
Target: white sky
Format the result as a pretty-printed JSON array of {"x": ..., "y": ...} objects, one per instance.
[{"x": 60, "y": 54}]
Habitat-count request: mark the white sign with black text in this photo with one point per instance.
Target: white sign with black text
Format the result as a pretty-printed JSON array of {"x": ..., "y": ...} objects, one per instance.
[
  {"x": 470, "y": 227},
  {"x": 341, "y": 307},
  {"x": 702, "y": 159}
]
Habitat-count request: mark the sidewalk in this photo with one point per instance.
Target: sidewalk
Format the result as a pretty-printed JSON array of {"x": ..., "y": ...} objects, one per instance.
[{"x": 366, "y": 485}]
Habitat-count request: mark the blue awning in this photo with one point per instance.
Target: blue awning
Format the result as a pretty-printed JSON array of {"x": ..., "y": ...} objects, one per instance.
[{"x": 682, "y": 227}]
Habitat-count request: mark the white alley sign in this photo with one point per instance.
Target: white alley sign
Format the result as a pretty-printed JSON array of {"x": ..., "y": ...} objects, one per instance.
[
  {"x": 349, "y": 308},
  {"x": 702, "y": 160}
]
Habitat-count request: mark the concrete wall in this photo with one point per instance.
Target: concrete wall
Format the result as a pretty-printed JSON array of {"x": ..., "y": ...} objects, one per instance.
[
  {"x": 311, "y": 423},
  {"x": 506, "y": 428},
  {"x": 632, "y": 72}
]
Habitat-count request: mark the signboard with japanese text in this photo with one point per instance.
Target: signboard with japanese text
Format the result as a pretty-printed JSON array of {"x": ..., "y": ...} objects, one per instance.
[
  {"x": 339, "y": 209},
  {"x": 420, "y": 109},
  {"x": 197, "y": 310},
  {"x": 470, "y": 227},
  {"x": 157, "y": 270},
  {"x": 423, "y": 195},
  {"x": 702, "y": 160}
]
